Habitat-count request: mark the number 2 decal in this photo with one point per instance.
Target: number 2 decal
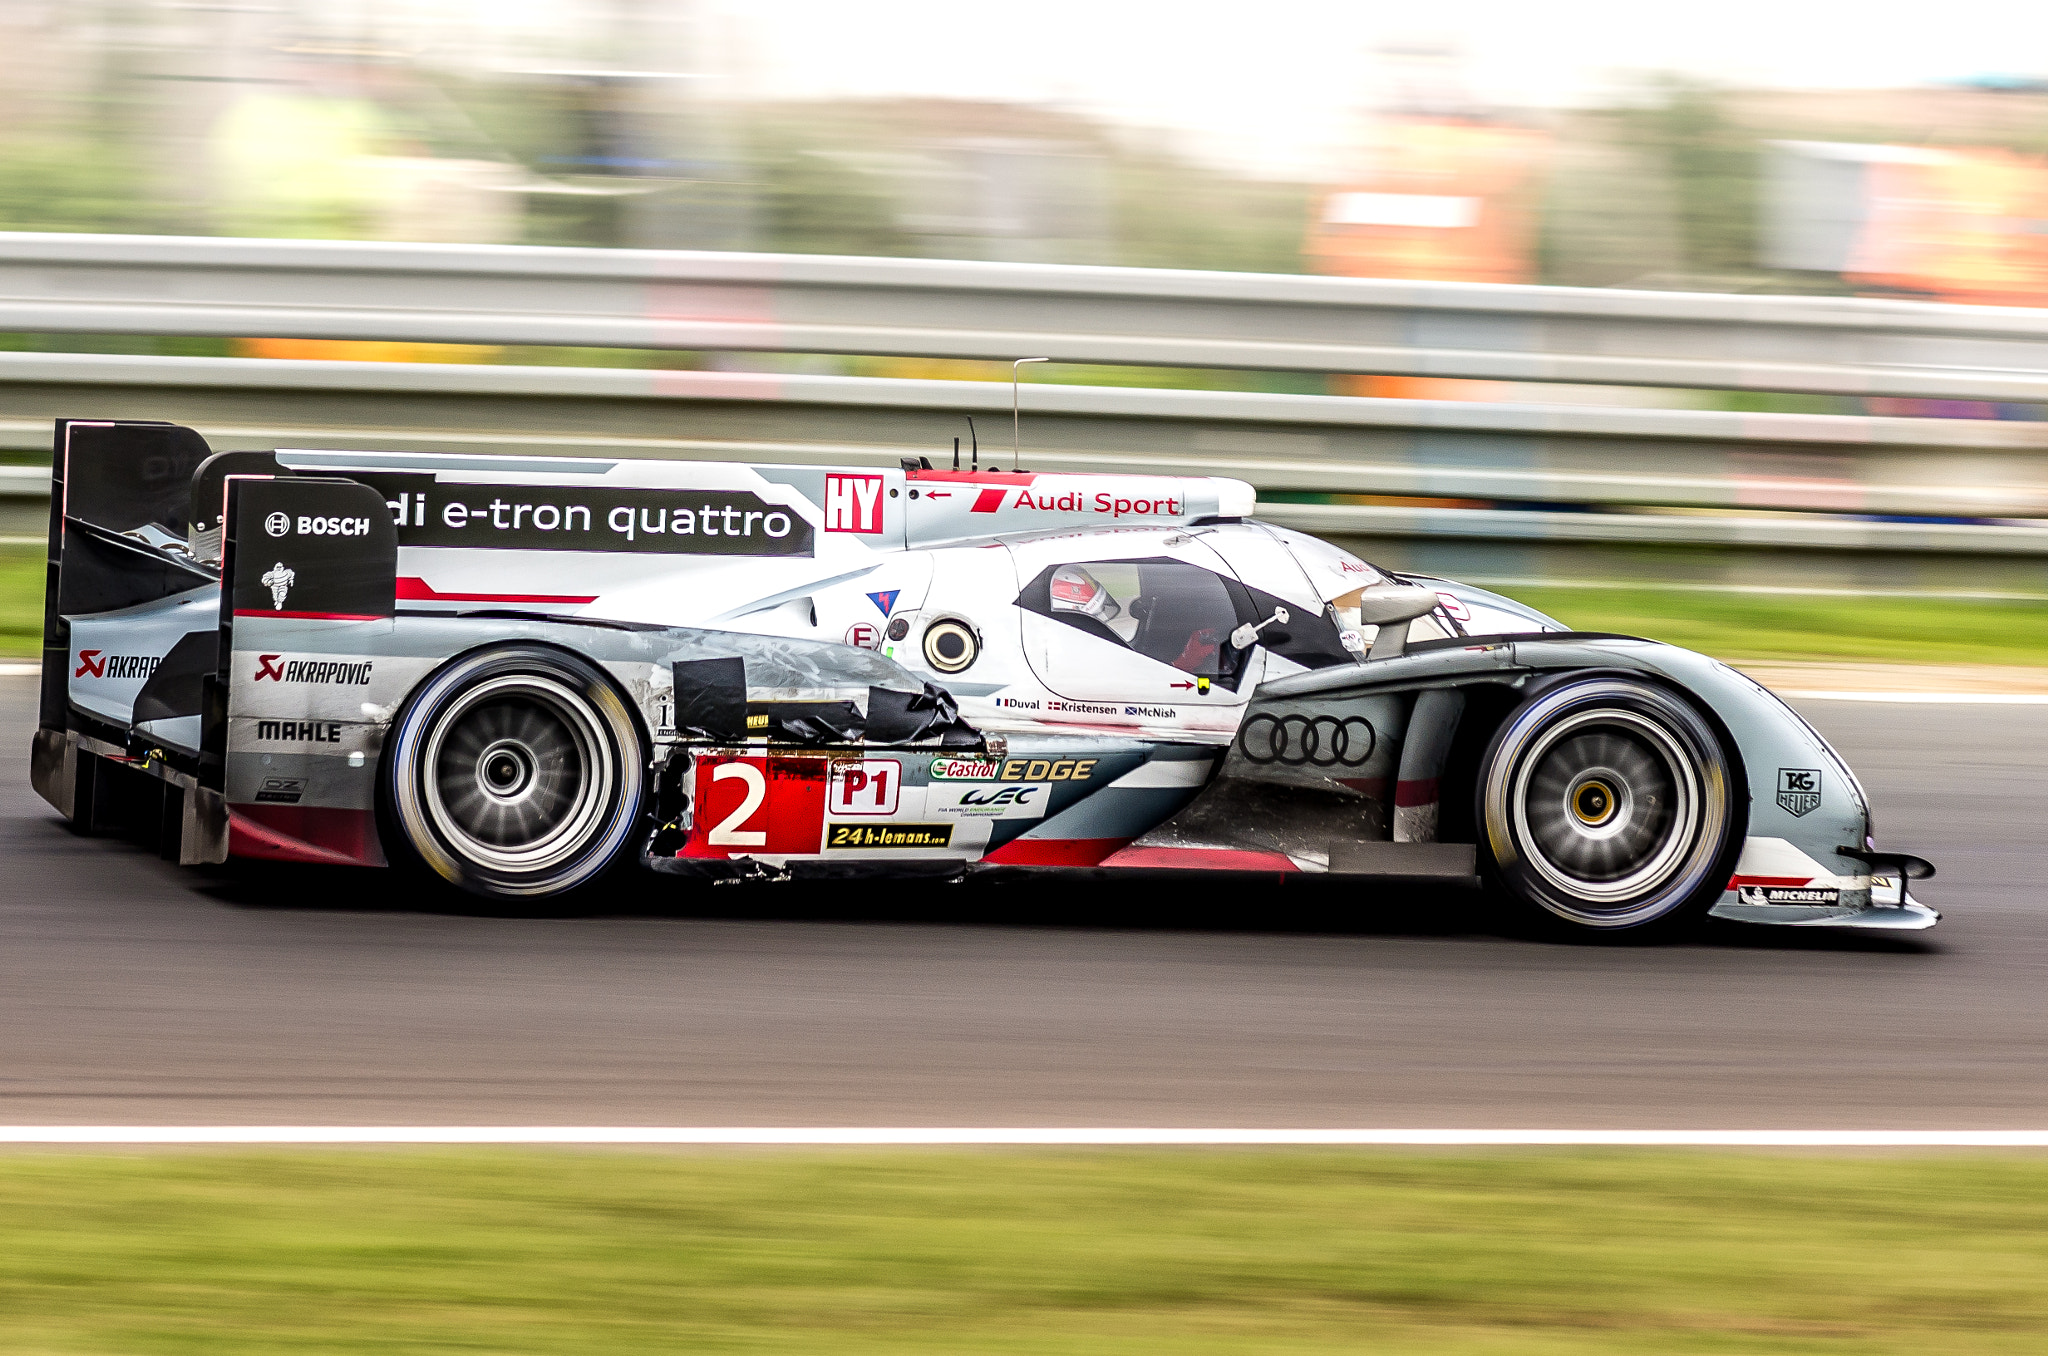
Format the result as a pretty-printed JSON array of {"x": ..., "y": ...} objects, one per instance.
[
  {"x": 771, "y": 806},
  {"x": 729, "y": 833}
]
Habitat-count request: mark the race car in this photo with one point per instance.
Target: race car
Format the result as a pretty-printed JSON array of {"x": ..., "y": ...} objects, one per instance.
[{"x": 520, "y": 673}]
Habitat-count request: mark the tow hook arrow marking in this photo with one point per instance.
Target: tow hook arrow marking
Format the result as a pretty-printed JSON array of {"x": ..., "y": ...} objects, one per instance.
[{"x": 1180, "y": 685}]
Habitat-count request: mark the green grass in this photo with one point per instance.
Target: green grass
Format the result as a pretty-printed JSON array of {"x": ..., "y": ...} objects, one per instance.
[
  {"x": 1022, "y": 1252},
  {"x": 1792, "y": 626},
  {"x": 21, "y": 600}
]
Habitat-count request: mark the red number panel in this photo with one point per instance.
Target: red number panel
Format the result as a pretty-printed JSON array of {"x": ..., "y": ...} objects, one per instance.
[{"x": 757, "y": 806}]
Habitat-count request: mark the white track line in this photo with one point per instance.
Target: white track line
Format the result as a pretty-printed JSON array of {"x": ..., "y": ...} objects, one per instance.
[
  {"x": 1024, "y": 1136},
  {"x": 1927, "y": 698},
  {"x": 1623, "y": 585}
]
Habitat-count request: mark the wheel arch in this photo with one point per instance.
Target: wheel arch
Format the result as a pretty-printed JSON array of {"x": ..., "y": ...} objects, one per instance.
[
  {"x": 1490, "y": 701},
  {"x": 639, "y": 715},
  {"x": 1732, "y": 762},
  {"x": 1768, "y": 736},
  {"x": 1545, "y": 680}
]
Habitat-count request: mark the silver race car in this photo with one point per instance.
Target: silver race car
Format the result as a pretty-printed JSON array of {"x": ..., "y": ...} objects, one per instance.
[{"x": 518, "y": 673}]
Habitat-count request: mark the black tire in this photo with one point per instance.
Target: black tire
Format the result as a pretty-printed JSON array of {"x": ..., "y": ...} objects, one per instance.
[
  {"x": 1609, "y": 805},
  {"x": 516, "y": 773}
]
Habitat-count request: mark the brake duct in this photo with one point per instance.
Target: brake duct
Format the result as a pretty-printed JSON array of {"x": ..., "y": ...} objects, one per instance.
[{"x": 1423, "y": 752}]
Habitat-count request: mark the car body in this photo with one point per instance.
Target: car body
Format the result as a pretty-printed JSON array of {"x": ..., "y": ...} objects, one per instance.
[{"x": 520, "y": 672}]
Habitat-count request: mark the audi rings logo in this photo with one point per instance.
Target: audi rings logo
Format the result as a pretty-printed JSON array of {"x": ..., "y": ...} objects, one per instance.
[
  {"x": 277, "y": 524},
  {"x": 1313, "y": 741}
]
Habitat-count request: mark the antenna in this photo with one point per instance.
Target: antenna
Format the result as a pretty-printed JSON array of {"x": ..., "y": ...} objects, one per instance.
[
  {"x": 977, "y": 442},
  {"x": 1016, "y": 424},
  {"x": 956, "y": 454}
]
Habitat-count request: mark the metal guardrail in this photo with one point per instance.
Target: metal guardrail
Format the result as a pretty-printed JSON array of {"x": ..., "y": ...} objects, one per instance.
[
  {"x": 955, "y": 309},
  {"x": 1719, "y": 478},
  {"x": 1329, "y": 464}
]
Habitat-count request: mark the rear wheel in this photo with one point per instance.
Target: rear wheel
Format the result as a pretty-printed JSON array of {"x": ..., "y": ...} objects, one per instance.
[
  {"x": 1609, "y": 805},
  {"x": 516, "y": 772}
]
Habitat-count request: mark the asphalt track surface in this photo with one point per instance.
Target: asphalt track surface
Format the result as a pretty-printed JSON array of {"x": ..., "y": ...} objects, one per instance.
[{"x": 134, "y": 992}]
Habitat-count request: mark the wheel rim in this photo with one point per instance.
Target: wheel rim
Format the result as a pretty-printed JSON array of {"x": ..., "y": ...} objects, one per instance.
[
  {"x": 517, "y": 774},
  {"x": 1609, "y": 806}
]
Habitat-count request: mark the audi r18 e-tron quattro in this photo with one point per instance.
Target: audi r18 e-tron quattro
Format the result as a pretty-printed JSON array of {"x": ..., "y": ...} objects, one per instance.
[{"x": 518, "y": 673}]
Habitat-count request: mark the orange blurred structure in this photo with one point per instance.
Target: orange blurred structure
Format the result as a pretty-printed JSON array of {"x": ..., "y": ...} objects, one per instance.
[
  {"x": 1957, "y": 225},
  {"x": 1442, "y": 199},
  {"x": 364, "y": 351}
]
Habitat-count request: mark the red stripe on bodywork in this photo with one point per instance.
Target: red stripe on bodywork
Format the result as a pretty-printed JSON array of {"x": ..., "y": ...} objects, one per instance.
[
  {"x": 988, "y": 501},
  {"x": 1735, "y": 882},
  {"x": 304, "y": 833},
  {"x": 1055, "y": 851},
  {"x": 415, "y": 590},
  {"x": 1202, "y": 859},
  {"x": 1420, "y": 791}
]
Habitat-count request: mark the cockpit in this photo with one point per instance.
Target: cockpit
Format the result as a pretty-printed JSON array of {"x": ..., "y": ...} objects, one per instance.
[{"x": 1176, "y": 613}]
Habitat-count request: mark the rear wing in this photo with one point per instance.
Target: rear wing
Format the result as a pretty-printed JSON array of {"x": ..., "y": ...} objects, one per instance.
[
  {"x": 142, "y": 513},
  {"x": 116, "y": 487}
]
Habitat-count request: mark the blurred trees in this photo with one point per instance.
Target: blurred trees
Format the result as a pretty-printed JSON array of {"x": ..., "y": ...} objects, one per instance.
[
  {"x": 879, "y": 177},
  {"x": 944, "y": 178},
  {"x": 1714, "y": 166},
  {"x": 1171, "y": 214},
  {"x": 58, "y": 182},
  {"x": 1610, "y": 216},
  {"x": 1660, "y": 190}
]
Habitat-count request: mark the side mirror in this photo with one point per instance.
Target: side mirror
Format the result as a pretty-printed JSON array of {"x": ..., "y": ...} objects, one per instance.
[
  {"x": 1247, "y": 635},
  {"x": 1391, "y": 607},
  {"x": 1385, "y": 604}
]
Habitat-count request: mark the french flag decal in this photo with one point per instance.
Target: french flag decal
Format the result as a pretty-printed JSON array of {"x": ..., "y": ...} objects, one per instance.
[{"x": 884, "y": 600}]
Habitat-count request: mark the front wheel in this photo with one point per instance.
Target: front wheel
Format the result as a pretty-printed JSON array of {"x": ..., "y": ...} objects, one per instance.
[
  {"x": 516, "y": 772},
  {"x": 1609, "y": 804}
]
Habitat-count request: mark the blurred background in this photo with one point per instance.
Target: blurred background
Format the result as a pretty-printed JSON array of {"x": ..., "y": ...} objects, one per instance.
[
  {"x": 1760, "y": 149},
  {"x": 1582, "y": 143}
]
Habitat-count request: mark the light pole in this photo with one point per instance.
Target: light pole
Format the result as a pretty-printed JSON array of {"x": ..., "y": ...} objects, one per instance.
[{"x": 1016, "y": 423}]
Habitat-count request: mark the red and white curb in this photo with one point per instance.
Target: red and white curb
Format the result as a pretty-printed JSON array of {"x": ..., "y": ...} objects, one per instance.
[{"x": 1026, "y": 1136}]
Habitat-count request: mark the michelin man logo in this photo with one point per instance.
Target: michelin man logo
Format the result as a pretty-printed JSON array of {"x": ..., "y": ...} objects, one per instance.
[{"x": 279, "y": 580}]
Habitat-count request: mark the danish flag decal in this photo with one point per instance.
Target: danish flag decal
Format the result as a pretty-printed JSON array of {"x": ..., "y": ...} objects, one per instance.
[{"x": 885, "y": 600}]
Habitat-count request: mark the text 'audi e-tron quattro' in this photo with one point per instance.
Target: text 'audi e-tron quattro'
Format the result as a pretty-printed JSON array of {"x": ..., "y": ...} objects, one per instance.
[{"x": 520, "y": 673}]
